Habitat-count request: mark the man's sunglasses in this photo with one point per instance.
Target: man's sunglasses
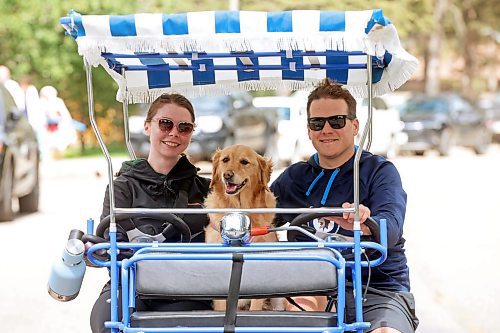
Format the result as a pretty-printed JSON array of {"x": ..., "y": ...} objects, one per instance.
[
  {"x": 166, "y": 125},
  {"x": 336, "y": 122}
]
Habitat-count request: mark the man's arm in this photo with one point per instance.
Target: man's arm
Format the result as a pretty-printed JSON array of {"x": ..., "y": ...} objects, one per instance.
[{"x": 387, "y": 200}]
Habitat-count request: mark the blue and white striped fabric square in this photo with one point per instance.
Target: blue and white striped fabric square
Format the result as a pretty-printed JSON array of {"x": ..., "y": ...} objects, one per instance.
[
  {"x": 224, "y": 22},
  {"x": 226, "y": 32}
]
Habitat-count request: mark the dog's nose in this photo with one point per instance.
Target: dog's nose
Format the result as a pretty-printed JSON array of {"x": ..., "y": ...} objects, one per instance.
[{"x": 228, "y": 175}]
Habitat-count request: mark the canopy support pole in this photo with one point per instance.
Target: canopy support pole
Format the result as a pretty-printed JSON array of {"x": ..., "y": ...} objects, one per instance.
[
  {"x": 90, "y": 92},
  {"x": 112, "y": 224},
  {"x": 126, "y": 123},
  {"x": 357, "y": 283}
]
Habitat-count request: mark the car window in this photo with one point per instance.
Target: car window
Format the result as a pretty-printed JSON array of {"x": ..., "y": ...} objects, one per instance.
[
  {"x": 206, "y": 105},
  {"x": 283, "y": 113},
  {"x": 429, "y": 106},
  {"x": 462, "y": 106}
]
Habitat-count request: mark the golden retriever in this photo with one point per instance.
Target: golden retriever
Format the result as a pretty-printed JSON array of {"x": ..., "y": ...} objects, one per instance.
[{"x": 239, "y": 180}]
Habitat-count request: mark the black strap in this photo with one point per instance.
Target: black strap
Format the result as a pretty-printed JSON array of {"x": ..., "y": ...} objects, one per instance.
[
  {"x": 180, "y": 202},
  {"x": 233, "y": 293},
  {"x": 297, "y": 305},
  {"x": 182, "y": 197}
]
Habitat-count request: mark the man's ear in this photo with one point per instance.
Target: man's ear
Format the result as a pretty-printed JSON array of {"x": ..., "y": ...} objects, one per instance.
[{"x": 355, "y": 126}]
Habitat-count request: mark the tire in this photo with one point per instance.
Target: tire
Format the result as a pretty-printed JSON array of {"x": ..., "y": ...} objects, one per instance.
[
  {"x": 483, "y": 143},
  {"x": 6, "y": 213},
  {"x": 445, "y": 143},
  {"x": 29, "y": 202}
]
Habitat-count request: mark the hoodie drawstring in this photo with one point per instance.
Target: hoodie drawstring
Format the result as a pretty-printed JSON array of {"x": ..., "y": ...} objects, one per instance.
[
  {"x": 328, "y": 186},
  {"x": 314, "y": 182}
]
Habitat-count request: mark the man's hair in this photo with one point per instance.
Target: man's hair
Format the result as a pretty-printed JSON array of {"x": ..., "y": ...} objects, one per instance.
[
  {"x": 176, "y": 99},
  {"x": 330, "y": 89}
]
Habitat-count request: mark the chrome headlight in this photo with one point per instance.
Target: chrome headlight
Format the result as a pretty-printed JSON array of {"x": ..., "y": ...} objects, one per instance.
[{"x": 235, "y": 226}]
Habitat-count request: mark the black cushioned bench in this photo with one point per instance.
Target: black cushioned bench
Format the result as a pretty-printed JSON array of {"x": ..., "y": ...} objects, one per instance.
[{"x": 209, "y": 279}]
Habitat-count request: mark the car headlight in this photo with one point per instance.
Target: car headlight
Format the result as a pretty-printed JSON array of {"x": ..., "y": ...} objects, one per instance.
[{"x": 209, "y": 124}]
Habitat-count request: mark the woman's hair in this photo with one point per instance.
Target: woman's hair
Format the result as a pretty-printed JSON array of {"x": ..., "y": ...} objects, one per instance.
[
  {"x": 330, "y": 89},
  {"x": 176, "y": 99}
]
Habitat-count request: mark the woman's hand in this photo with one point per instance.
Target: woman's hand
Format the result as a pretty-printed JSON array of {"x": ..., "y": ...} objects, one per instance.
[{"x": 347, "y": 220}]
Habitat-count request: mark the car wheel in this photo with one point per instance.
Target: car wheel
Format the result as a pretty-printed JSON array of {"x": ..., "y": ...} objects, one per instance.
[
  {"x": 6, "y": 213},
  {"x": 29, "y": 202},
  {"x": 419, "y": 152},
  {"x": 444, "y": 143},
  {"x": 483, "y": 142}
]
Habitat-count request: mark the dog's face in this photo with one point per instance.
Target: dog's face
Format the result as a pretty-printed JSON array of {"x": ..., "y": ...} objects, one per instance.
[{"x": 238, "y": 169}]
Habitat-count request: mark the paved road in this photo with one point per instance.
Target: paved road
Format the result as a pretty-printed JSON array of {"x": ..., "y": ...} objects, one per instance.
[{"x": 452, "y": 201}]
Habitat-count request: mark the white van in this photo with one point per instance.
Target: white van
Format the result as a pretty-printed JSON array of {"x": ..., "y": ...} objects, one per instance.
[{"x": 293, "y": 143}]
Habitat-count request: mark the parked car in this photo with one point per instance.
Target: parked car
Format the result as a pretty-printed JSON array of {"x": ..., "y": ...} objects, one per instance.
[
  {"x": 19, "y": 159},
  {"x": 442, "y": 121},
  {"x": 490, "y": 105},
  {"x": 387, "y": 127},
  {"x": 221, "y": 120}
]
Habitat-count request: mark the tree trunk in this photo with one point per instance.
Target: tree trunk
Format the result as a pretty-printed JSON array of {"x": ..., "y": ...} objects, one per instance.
[
  {"x": 469, "y": 45},
  {"x": 432, "y": 84}
]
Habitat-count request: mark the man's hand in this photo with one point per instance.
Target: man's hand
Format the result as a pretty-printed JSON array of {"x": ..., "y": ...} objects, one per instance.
[{"x": 347, "y": 220}]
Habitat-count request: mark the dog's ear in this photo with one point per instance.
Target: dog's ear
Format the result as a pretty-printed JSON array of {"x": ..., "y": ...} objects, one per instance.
[
  {"x": 215, "y": 169},
  {"x": 266, "y": 169}
]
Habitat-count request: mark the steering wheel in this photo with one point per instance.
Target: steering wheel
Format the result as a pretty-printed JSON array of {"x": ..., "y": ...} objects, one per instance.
[
  {"x": 301, "y": 219},
  {"x": 124, "y": 220}
]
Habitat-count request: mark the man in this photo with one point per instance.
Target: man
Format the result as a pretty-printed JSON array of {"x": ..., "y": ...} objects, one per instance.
[{"x": 327, "y": 180}]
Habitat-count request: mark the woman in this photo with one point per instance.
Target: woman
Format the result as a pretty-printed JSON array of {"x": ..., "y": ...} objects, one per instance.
[{"x": 158, "y": 182}]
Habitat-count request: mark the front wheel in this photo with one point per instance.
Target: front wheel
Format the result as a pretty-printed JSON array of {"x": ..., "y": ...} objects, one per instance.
[
  {"x": 6, "y": 185},
  {"x": 445, "y": 143},
  {"x": 482, "y": 143},
  {"x": 29, "y": 202}
]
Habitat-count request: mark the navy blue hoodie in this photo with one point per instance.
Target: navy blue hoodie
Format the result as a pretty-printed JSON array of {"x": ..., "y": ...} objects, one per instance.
[{"x": 306, "y": 184}]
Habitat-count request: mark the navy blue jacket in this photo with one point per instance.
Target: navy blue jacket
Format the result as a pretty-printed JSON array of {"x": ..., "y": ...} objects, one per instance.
[{"x": 306, "y": 184}]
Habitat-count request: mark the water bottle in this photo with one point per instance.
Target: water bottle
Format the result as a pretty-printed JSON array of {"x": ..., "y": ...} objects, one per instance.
[{"x": 67, "y": 272}]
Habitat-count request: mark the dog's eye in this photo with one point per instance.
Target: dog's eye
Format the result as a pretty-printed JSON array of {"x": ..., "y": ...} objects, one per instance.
[
  {"x": 244, "y": 162},
  {"x": 225, "y": 160}
]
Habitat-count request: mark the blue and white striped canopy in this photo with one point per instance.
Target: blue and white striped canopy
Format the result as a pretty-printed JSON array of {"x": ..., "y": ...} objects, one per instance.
[{"x": 210, "y": 52}]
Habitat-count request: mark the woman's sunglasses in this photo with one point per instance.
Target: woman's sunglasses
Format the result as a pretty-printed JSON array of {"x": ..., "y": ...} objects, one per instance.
[
  {"x": 336, "y": 122},
  {"x": 184, "y": 127}
]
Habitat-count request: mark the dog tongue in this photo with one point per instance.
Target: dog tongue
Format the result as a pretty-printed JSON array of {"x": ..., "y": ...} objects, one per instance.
[{"x": 230, "y": 188}]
